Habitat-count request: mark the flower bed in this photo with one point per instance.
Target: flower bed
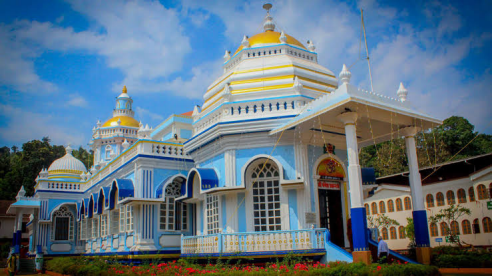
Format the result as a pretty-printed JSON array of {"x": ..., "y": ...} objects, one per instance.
[{"x": 186, "y": 267}]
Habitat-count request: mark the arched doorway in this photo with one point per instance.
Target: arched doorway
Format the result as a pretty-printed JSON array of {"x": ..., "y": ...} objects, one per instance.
[{"x": 329, "y": 180}]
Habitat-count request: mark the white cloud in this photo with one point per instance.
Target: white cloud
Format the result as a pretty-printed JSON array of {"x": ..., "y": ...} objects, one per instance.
[
  {"x": 142, "y": 39},
  {"x": 142, "y": 112},
  {"x": 22, "y": 125},
  {"x": 77, "y": 100},
  {"x": 427, "y": 59}
]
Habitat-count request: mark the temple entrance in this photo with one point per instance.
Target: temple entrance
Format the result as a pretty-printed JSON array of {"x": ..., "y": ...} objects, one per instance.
[
  {"x": 330, "y": 175},
  {"x": 330, "y": 214}
]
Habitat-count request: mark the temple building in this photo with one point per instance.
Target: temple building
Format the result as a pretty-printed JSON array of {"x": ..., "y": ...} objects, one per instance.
[{"x": 268, "y": 165}]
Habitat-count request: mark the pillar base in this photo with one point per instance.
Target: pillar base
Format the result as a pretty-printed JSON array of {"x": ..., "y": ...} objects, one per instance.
[
  {"x": 362, "y": 256},
  {"x": 424, "y": 255}
]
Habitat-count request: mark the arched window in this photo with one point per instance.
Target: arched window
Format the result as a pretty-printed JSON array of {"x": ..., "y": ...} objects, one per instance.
[
  {"x": 444, "y": 229},
  {"x": 393, "y": 233},
  {"x": 401, "y": 232},
  {"x": 487, "y": 225},
  {"x": 482, "y": 192},
  {"x": 461, "y": 196},
  {"x": 471, "y": 194},
  {"x": 399, "y": 205},
  {"x": 465, "y": 224},
  {"x": 408, "y": 204},
  {"x": 108, "y": 152},
  {"x": 455, "y": 228},
  {"x": 384, "y": 233},
  {"x": 430, "y": 200},
  {"x": 391, "y": 206},
  {"x": 173, "y": 214},
  {"x": 63, "y": 225},
  {"x": 374, "y": 208},
  {"x": 476, "y": 226},
  {"x": 440, "y": 199},
  {"x": 433, "y": 230},
  {"x": 266, "y": 197},
  {"x": 382, "y": 207},
  {"x": 450, "y": 198},
  {"x": 367, "y": 209}
]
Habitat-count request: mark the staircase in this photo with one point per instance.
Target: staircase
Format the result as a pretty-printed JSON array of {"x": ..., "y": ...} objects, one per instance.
[{"x": 27, "y": 265}]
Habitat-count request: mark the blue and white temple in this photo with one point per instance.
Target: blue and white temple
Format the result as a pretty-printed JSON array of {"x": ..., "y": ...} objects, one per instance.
[{"x": 267, "y": 166}]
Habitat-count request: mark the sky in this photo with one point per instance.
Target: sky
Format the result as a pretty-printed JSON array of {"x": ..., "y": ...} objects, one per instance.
[{"x": 62, "y": 63}]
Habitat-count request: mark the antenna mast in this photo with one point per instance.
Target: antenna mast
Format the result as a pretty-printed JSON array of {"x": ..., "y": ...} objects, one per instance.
[{"x": 367, "y": 49}]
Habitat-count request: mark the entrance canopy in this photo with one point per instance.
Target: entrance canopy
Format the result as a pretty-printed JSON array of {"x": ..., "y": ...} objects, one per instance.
[{"x": 380, "y": 118}]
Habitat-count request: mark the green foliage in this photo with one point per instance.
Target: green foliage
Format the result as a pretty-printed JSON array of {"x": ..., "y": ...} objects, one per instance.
[
  {"x": 79, "y": 266},
  {"x": 410, "y": 229},
  {"x": 381, "y": 220},
  {"x": 20, "y": 168},
  {"x": 455, "y": 257},
  {"x": 448, "y": 215},
  {"x": 433, "y": 147}
]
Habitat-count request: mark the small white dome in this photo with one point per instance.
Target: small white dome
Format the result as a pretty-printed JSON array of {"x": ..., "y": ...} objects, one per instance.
[{"x": 68, "y": 164}]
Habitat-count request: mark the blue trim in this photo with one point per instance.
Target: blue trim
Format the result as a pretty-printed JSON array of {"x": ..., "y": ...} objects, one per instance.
[
  {"x": 239, "y": 121},
  {"x": 421, "y": 228},
  {"x": 293, "y": 220},
  {"x": 253, "y": 254},
  {"x": 251, "y": 101},
  {"x": 118, "y": 169},
  {"x": 270, "y": 46},
  {"x": 360, "y": 235},
  {"x": 241, "y": 212}
]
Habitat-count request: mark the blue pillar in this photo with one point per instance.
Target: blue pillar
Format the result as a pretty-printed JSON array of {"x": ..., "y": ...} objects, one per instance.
[
  {"x": 421, "y": 229},
  {"x": 359, "y": 229}
]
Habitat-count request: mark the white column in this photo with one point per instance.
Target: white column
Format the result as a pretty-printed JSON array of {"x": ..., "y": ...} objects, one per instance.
[
  {"x": 355, "y": 178},
  {"x": 413, "y": 167}
]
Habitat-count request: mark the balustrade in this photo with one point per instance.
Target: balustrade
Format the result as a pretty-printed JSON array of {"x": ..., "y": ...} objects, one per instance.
[{"x": 254, "y": 241}]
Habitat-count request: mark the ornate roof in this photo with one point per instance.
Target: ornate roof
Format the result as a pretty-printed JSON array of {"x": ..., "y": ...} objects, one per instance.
[
  {"x": 123, "y": 121},
  {"x": 67, "y": 165},
  {"x": 270, "y": 38}
]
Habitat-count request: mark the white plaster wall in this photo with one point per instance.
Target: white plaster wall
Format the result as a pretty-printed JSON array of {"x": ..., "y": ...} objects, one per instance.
[{"x": 478, "y": 208}]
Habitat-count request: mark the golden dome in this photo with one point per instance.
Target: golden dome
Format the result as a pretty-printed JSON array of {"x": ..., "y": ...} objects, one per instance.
[
  {"x": 270, "y": 37},
  {"x": 124, "y": 121}
]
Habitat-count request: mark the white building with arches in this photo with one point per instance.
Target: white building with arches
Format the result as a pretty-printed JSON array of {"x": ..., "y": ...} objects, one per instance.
[
  {"x": 466, "y": 182},
  {"x": 267, "y": 166}
]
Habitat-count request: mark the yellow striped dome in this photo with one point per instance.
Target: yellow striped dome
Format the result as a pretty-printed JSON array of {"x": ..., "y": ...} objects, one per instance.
[
  {"x": 124, "y": 121},
  {"x": 270, "y": 38}
]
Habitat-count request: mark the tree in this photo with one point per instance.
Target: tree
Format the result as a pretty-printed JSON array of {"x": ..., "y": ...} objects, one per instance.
[
  {"x": 410, "y": 230},
  {"x": 20, "y": 168},
  {"x": 450, "y": 215},
  {"x": 434, "y": 146},
  {"x": 381, "y": 220}
]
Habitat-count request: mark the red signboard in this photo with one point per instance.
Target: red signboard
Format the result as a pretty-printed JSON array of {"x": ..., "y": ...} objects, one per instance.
[{"x": 328, "y": 186}]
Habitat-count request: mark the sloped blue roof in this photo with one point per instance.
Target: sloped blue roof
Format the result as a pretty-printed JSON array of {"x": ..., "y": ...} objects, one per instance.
[{"x": 208, "y": 180}]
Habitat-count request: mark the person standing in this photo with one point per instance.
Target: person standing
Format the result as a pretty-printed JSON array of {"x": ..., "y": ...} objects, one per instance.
[{"x": 383, "y": 250}]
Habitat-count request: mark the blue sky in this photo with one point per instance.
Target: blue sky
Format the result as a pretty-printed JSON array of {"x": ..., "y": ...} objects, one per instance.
[{"x": 62, "y": 63}]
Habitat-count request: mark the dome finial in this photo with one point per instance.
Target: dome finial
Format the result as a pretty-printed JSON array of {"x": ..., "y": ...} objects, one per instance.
[
  {"x": 268, "y": 26},
  {"x": 68, "y": 149},
  {"x": 124, "y": 89},
  {"x": 345, "y": 75},
  {"x": 402, "y": 92}
]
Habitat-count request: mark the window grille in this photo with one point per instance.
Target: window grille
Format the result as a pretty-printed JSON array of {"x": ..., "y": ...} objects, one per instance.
[
  {"x": 212, "y": 214},
  {"x": 63, "y": 225},
  {"x": 266, "y": 197}
]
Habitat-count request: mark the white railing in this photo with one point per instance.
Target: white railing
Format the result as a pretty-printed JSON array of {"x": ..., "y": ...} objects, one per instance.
[
  {"x": 145, "y": 147},
  {"x": 254, "y": 241}
]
